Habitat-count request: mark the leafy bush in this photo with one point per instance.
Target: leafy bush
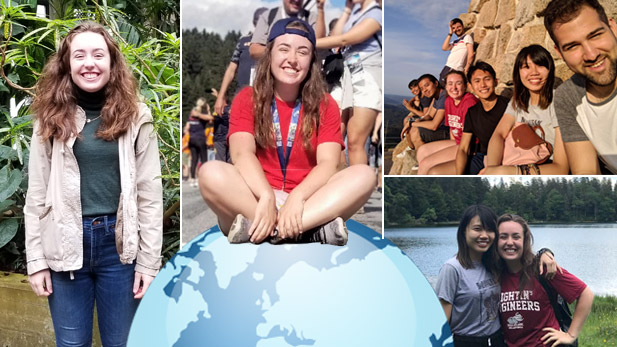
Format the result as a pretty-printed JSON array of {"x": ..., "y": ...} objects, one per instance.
[{"x": 27, "y": 42}]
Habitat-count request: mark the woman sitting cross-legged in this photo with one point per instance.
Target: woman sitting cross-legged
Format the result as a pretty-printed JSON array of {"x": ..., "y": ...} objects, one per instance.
[{"x": 285, "y": 143}]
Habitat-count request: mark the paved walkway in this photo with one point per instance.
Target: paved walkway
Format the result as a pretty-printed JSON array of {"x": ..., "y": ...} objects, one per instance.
[{"x": 197, "y": 217}]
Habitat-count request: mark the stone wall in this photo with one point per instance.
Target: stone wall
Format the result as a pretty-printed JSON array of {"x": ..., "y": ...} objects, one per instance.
[{"x": 502, "y": 27}]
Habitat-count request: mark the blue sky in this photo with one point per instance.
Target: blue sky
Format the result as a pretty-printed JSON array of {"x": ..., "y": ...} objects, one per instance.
[
  {"x": 221, "y": 16},
  {"x": 414, "y": 31}
]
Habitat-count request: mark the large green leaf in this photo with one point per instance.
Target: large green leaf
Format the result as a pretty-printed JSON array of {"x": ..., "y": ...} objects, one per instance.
[
  {"x": 9, "y": 182},
  {"x": 7, "y": 153},
  {"x": 4, "y": 205},
  {"x": 8, "y": 229}
]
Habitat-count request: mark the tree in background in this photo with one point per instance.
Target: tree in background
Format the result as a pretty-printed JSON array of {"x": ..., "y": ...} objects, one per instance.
[
  {"x": 414, "y": 201},
  {"x": 199, "y": 77},
  {"x": 152, "y": 52}
]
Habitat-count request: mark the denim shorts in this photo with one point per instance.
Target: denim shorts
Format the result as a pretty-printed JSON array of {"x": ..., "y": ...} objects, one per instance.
[{"x": 103, "y": 280}]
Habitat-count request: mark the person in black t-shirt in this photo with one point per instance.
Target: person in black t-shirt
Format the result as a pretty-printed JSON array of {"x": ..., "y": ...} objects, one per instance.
[{"x": 481, "y": 119}]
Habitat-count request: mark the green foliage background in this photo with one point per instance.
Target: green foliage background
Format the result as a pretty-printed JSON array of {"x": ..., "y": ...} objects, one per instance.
[
  {"x": 198, "y": 78},
  {"x": 147, "y": 33},
  {"x": 423, "y": 200}
]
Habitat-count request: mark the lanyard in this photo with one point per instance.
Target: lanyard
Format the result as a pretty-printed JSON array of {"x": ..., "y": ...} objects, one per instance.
[{"x": 291, "y": 134}]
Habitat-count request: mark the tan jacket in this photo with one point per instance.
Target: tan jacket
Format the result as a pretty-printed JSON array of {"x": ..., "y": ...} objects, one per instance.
[{"x": 54, "y": 230}]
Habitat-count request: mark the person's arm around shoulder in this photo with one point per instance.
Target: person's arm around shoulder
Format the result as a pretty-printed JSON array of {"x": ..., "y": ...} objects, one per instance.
[
  {"x": 149, "y": 205},
  {"x": 496, "y": 143},
  {"x": 462, "y": 153},
  {"x": 39, "y": 165}
]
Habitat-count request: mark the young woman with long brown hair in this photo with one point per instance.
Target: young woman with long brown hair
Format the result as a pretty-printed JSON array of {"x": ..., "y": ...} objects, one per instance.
[
  {"x": 94, "y": 207},
  {"x": 285, "y": 143},
  {"x": 527, "y": 315}
]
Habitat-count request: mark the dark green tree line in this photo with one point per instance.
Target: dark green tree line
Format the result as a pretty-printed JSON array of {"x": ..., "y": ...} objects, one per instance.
[
  {"x": 205, "y": 57},
  {"x": 424, "y": 200}
]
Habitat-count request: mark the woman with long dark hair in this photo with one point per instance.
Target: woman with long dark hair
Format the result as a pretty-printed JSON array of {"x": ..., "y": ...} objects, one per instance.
[
  {"x": 532, "y": 103},
  {"x": 94, "y": 204},
  {"x": 285, "y": 142},
  {"x": 527, "y": 315}
]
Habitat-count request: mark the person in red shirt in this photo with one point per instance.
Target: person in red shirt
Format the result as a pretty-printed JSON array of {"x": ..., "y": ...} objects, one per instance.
[
  {"x": 285, "y": 142},
  {"x": 527, "y": 317},
  {"x": 438, "y": 157}
]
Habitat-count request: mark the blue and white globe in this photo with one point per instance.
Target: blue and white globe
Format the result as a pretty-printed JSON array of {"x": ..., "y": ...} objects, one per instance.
[{"x": 367, "y": 293}]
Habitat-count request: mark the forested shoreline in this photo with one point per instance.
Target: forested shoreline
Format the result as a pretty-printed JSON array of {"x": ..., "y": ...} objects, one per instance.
[{"x": 439, "y": 201}]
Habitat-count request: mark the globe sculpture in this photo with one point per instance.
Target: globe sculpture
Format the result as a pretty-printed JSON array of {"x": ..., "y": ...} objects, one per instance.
[{"x": 367, "y": 293}]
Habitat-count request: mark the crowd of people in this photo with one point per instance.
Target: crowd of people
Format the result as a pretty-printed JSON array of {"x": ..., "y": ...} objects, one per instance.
[
  {"x": 296, "y": 149},
  {"x": 459, "y": 124}
]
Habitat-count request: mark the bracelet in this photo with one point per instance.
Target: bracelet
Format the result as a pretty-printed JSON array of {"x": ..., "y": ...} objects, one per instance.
[
  {"x": 545, "y": 250},
  {"x": 572, "y": 336}
]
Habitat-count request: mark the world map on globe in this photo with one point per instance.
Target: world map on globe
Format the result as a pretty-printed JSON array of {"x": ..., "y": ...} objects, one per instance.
[{"x": 367, "y": 293}]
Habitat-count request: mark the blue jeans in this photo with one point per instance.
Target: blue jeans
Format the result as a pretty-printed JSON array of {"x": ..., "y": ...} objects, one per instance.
[{"x": 102, "y": 279}]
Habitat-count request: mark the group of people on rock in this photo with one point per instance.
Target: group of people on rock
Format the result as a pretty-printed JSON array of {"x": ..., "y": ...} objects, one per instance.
[{"x": 460, "y": 125}]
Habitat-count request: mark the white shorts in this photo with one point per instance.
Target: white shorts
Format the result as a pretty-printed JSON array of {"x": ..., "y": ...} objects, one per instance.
[{"x": 366, "y": 90}]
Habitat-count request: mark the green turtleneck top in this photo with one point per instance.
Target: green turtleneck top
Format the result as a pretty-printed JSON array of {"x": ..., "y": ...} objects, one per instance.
[{"x": 99, "y": 166}]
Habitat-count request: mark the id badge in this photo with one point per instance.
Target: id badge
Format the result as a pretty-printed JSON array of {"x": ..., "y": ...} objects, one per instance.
[{"x": 354, "y": 63}]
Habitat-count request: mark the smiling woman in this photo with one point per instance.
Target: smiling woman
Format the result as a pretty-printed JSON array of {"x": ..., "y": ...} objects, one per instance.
[
  {"x": 90, "y": 62},
  {"x": 94, "y": 209},
  {"x": 283, "y": 186}
]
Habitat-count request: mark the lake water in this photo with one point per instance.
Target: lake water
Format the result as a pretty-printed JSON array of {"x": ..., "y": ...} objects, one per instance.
[{"x": 589, "y": 251}]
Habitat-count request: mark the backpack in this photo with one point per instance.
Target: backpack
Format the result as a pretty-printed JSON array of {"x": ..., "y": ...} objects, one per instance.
[{"x": 560, "y": 306}]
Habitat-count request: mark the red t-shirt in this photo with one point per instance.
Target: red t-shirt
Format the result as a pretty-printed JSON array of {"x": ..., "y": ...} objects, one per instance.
[
  {"x": 455, "y": 114},
  {"x": 524, "y": 314},
  {"x": 301, "y": 160}
]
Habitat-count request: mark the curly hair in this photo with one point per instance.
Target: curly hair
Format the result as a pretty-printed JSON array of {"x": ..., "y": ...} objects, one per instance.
[
  {"x": 312, "y": 92},
  {"x": 55, "y": 104}
]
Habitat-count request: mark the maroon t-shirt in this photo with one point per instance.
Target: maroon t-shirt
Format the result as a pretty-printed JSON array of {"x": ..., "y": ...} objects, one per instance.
[
  {"x": 455, "y": 114},
  {"x": 301, "y": 160},
  {"x": 524, "y": 314}
]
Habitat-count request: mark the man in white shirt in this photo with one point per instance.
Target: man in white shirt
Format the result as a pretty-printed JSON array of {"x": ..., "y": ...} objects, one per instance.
[
  {"x": 461, "y": 50},
  {"x": 586, "y": 104}
]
